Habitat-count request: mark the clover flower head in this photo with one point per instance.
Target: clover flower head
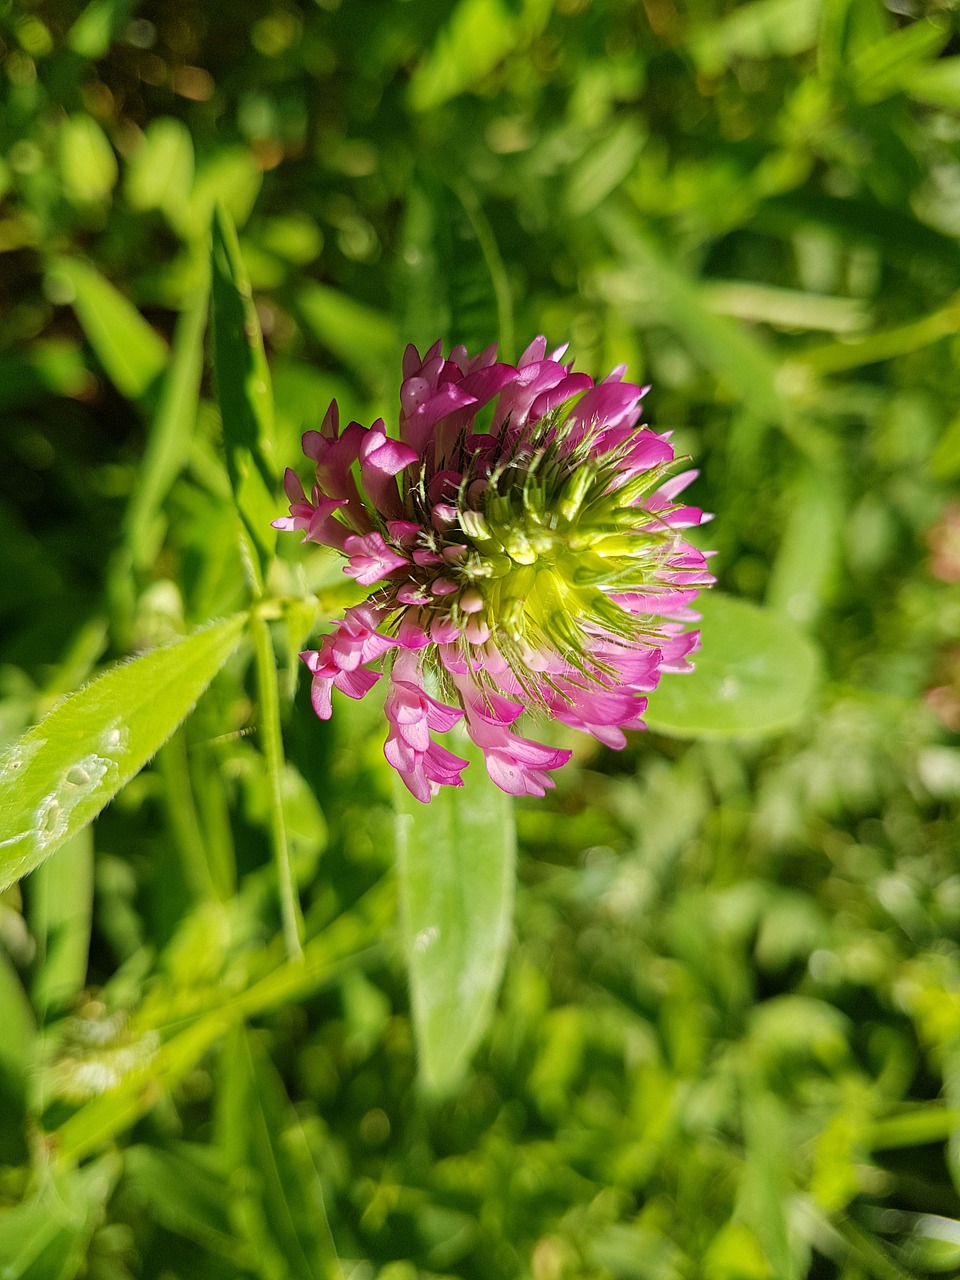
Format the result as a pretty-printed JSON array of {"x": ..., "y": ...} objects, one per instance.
[{"x": 522, "y": 540}]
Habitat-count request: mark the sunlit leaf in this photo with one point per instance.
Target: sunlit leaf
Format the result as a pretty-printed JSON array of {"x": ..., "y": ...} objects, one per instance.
[
  {"x": 243, "y": 390},
  {"x": 478, "y": 35},
  {"x": 756, "y": 673},
  {"x": 362, "y": 338},
  {"x": 169, "y": 438},
  {"x": 445, "y": 288},
  {"x": 131, "y": 352},
  {"x": 938, "y": 83},
  {"x": 891, "y": 63},
  {"x": 160, "y": 175},
  {"x": 455, "y": 859},
  {"x": 231, "y": 178},
  {"x": 757, "y": 30},
  {"x": 91, "y": 34},
  {"x": 61, "y": 773},
  {"x": 87, "y": 162}
]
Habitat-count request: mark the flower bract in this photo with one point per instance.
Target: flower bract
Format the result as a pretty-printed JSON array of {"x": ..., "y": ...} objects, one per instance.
[{"x": 522, "y": 540}]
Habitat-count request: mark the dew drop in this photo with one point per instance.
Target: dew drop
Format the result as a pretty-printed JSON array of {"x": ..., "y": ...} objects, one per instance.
[
  {"x": 19, "y": 755},
  {"x": 87, "y": 773},
  {"x": 425, "y": 938},
  {"x": 51, "y": 820},
  {"x": 114, "y": 739}
]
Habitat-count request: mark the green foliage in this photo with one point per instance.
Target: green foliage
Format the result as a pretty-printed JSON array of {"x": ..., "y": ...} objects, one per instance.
[
  {"x": 726, "y": 1039},
  {"x": 59, "y": 775},
  {"x": 756, "y": 675},
  {"x": 456, "y": 867}
]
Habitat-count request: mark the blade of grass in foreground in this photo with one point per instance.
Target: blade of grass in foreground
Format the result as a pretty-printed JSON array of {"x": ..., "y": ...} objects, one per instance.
[{"x": 243, "y": 391}]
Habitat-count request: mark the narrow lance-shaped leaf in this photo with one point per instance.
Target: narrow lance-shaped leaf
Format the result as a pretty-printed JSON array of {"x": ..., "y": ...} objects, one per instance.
[
  {"x": 168, "y": 443},
  {"x": 60, "y": 911},
  {"x": 267, "y": 1136},
  {"x": 756, "y": 673},
  {"x": 61, "y": 773},
  {"x": 131, "y": 352},
  {"x": 455, "y": 859},
  {"x": 243, "y": 390}
]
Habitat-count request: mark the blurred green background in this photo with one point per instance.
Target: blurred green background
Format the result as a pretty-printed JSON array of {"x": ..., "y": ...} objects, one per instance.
[{"x": 728, "y": 1044}]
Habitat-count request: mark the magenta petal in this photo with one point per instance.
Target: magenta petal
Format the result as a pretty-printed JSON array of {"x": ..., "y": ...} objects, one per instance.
[
  {"x": 551, "y": 399},
  {"x": 370, "y": 558},
  {"x": 320, "y": 696}
]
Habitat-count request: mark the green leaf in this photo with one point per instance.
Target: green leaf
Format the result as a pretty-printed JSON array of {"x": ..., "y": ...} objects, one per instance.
[
  {"x": 604, "y": 167},
  {"x": 231, "y": 179},
  {"x": 169, "y": 439},
  {"x": 160, "y": 175},
  {"x": 451, "y": 283},
  {"x": 60, "y": 905},
  {"x": 938, "y": 83},
  {"x": 88, "y": 165},
  {"x": 455, "y": 860},
  {"x": 16, "y": 1018},
  {"x": 62, "y": 772},
  {"x": 92, "y": 33},
  {"x": 362, "y": 338},
  {"x": 131, "y": 352},
  {"x": 479, "y": 35},
  {"x": 53, "y": 366},
  {"x": 809, "y": 553},
  {"x": 243, "y": 390},
  {"x": 273, "y": 1142},
  {"x": 894, "y": 61},
  {"x": 756, "y": 673},
  {"x": 185, "y": 1192},
  {"x": 757, "y": 30}
]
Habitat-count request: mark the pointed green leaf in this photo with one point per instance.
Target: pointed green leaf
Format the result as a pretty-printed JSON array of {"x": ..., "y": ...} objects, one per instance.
[
  {"x": 160, "y": 175},
  {"x": 756, "y": 673},
  {"x": 291, "y": 1192},
  {"x": 171, "y": 431},
  {"x": 61, "y": 773},
  {"x": 88, "y": 165},
  {"x": 16, "y": 1016},
  {"x": 186, "y": 1192},
  {"x": 451, "y": 283},
  {"x": 356, "y": 334},
  {"x": 243, "y": 390},
  {"x": 478, "y": 35},
  {"x": 131, "y": 352},
  {"x": 455, "y": 860},
  {"x": 92, "y": 33},
  {"x": 60, "y": 903}
]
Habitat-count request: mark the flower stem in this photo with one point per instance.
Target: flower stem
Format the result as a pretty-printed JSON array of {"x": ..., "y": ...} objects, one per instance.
[{"x": 273, "y": 750}]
